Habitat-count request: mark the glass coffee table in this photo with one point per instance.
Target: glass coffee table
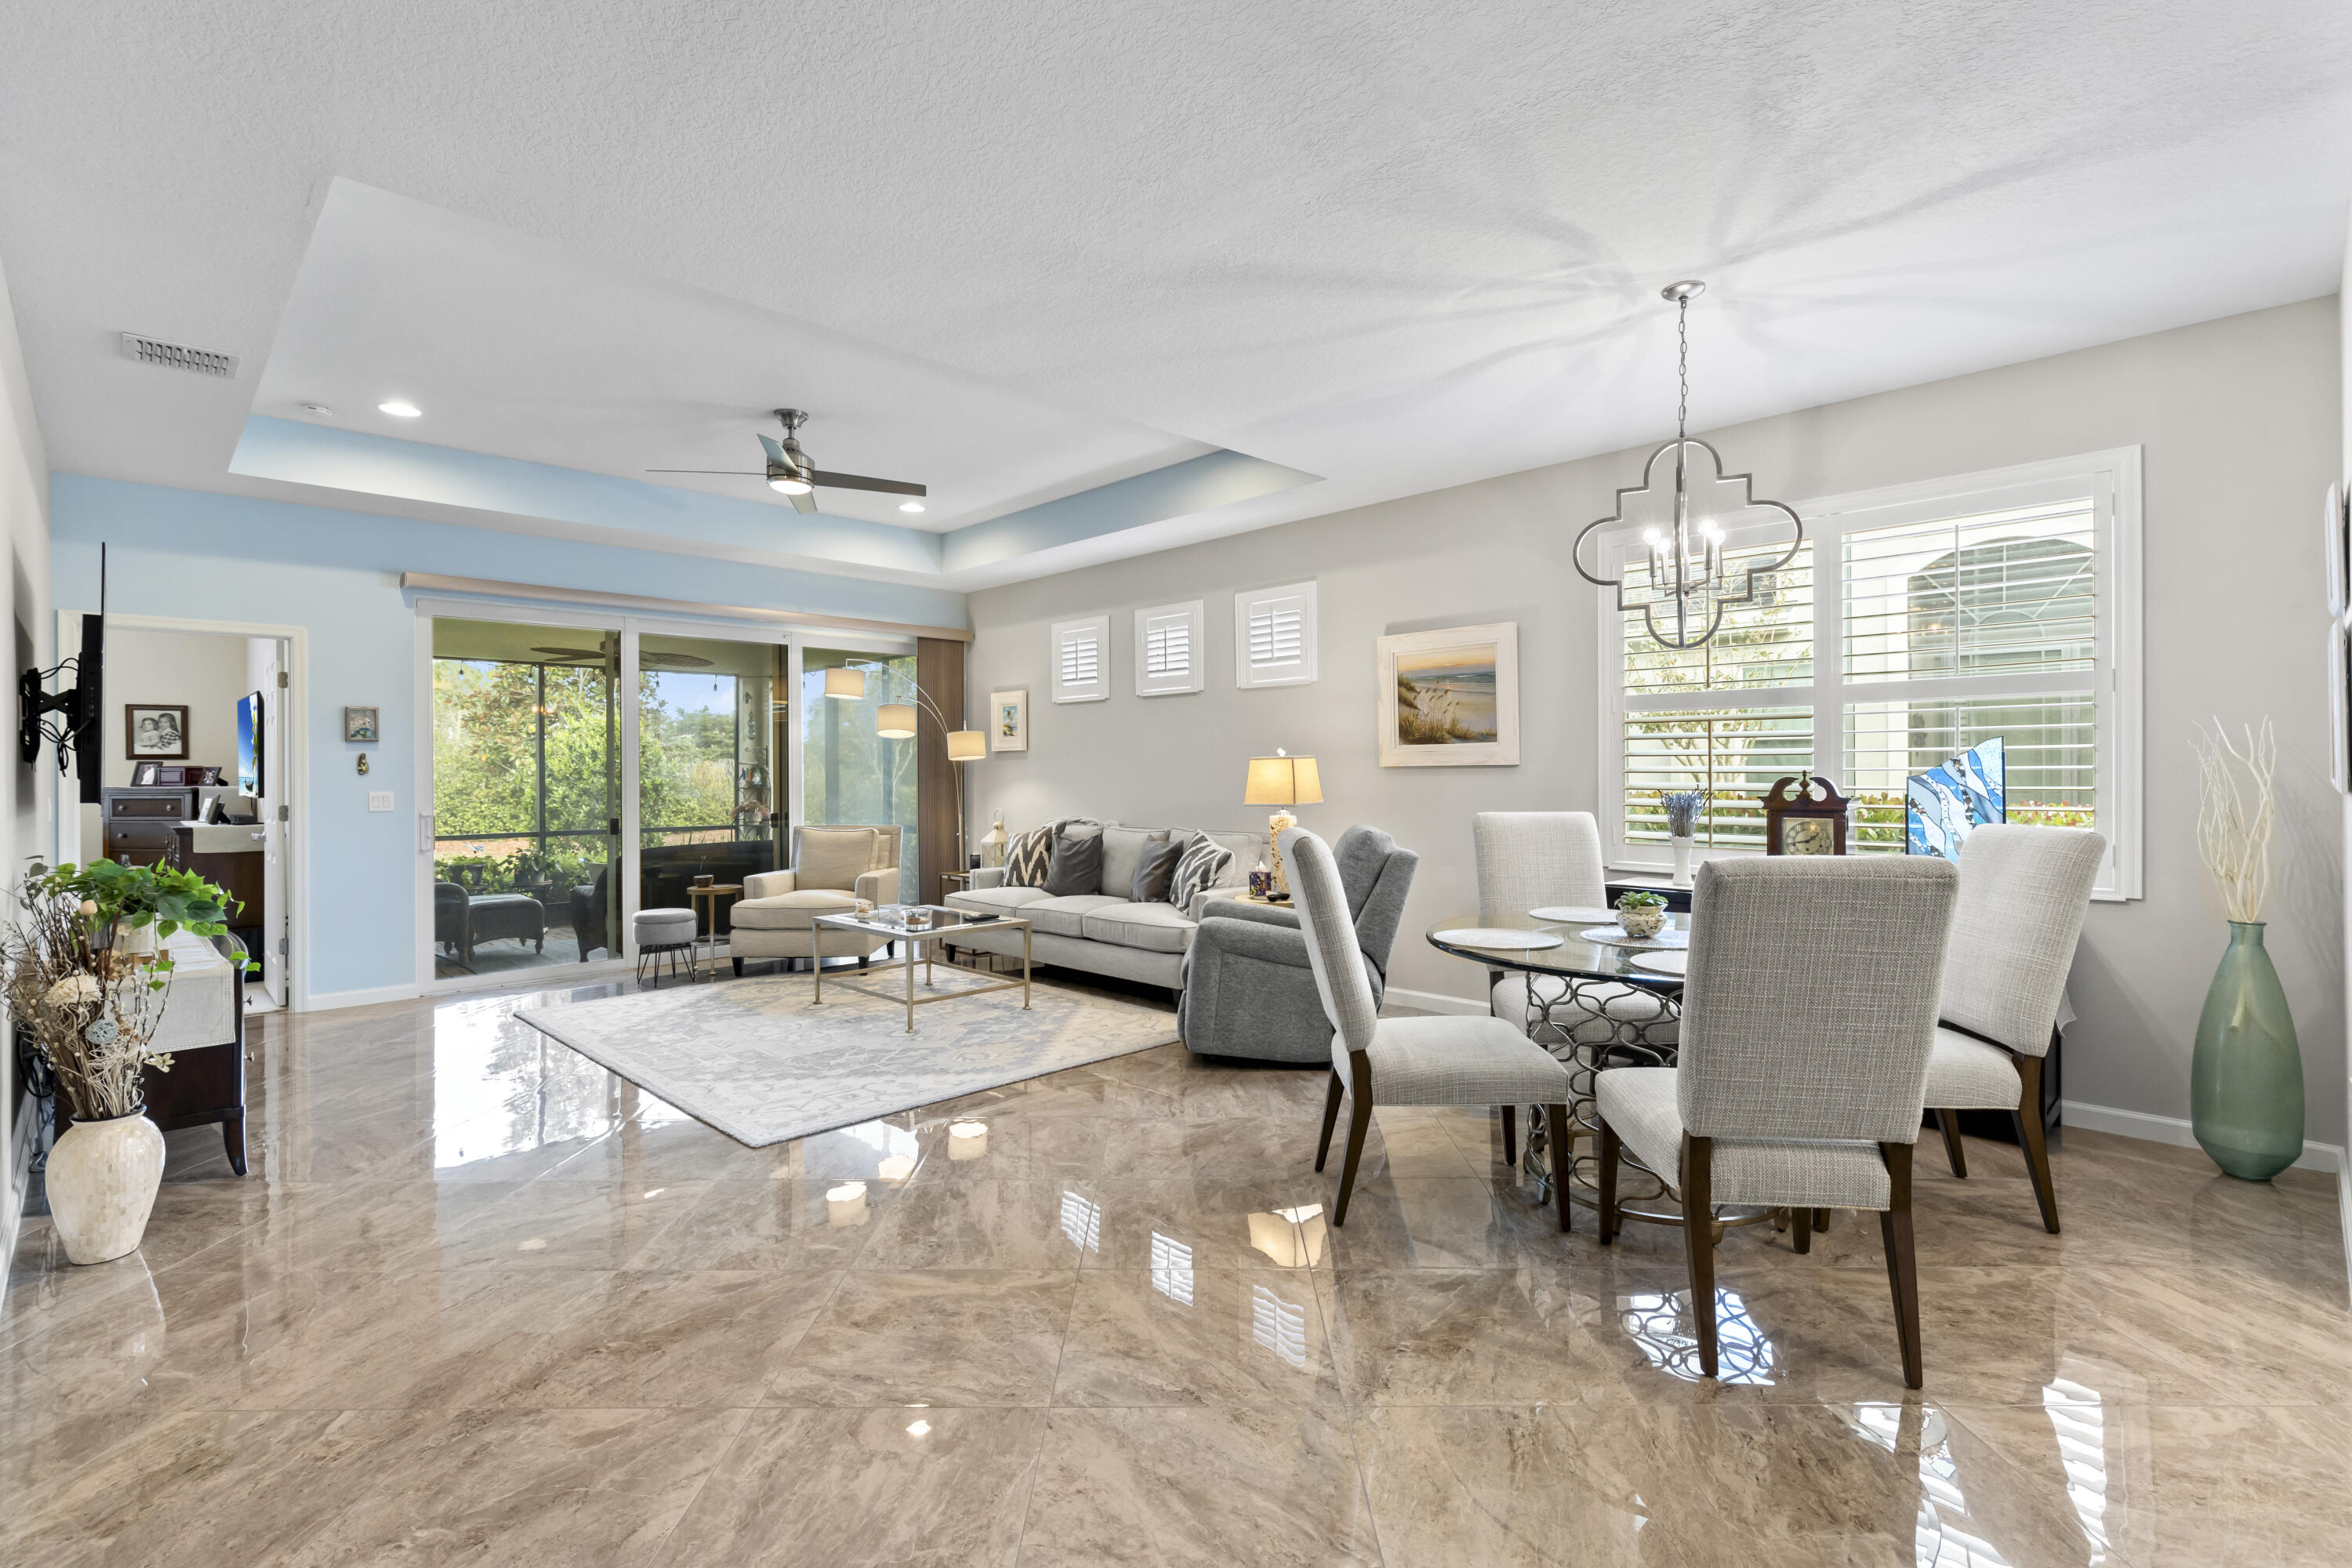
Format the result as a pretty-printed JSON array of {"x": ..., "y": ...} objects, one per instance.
[{"x": 939, "y": 923}]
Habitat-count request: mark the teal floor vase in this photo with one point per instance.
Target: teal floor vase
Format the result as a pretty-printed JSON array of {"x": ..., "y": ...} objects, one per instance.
[{"x": 2245, "y": 1082}]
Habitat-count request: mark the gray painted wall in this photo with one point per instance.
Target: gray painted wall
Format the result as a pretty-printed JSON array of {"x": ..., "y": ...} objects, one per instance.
[{"x": 2239, "y": 420}]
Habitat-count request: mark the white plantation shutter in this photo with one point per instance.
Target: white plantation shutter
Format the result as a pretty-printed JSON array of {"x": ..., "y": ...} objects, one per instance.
[
  {"x": 1274, "y": 636},
  {"x": 1082, "y": 660},
  {"x": 1167, "y": 650},
  {"x": 1915, "y": 621}
]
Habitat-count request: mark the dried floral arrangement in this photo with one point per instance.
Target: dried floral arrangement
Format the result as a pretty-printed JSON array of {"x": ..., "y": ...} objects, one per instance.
[
  {"x": 2234, "y": 819},
  {"x": 78, "y": 987},
  {"x": 1682, "y": 807}
]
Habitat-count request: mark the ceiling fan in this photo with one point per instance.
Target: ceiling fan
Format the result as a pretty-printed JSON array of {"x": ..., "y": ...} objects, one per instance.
[{"x": 790, "y": 472}]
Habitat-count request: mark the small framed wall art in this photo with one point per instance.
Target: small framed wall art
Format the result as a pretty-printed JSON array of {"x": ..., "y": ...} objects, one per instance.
[
  {"x": 1450, "y": 699},
  {"x": 156, "y": 729},
  {"x": 1008, "y": 720},
  {"x": 360, "y": 725}
]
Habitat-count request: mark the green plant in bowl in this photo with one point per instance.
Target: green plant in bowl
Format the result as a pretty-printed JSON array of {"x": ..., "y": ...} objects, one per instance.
[{"x": 1641, "y": 913}]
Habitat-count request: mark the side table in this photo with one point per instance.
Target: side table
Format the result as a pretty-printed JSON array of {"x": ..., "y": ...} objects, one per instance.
[{"x": 709, "y": 918}]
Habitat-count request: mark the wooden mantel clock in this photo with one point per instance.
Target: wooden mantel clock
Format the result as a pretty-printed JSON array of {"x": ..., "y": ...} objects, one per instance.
[{"x": 1804, "y": 815}]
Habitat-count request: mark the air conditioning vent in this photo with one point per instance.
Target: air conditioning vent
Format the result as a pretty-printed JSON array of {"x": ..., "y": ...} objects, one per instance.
[{"x": 177, "y": 356}]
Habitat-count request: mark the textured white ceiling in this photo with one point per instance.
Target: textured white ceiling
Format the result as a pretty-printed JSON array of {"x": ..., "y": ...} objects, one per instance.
[
  {"x": 1402, "y": 245},
  {"x": 524, "y": 349}
]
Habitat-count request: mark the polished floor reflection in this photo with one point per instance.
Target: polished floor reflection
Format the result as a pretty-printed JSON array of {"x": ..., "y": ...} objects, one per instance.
[{"x": 482, "y": 1301}]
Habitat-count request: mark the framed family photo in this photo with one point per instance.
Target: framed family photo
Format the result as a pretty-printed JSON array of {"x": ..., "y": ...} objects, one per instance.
[
  {"x": 1451, "y": 699},
  {"x": 158, "y": 730},
  {"x": 1008, "y": 720}
]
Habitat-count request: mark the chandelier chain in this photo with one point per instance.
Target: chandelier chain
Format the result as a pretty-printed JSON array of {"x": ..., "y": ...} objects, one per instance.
[{"x": 1682, "y": 367}]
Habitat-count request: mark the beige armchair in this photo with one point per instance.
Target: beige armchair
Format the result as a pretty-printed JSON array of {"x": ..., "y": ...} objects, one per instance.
[{"x": 832, "y": 869}]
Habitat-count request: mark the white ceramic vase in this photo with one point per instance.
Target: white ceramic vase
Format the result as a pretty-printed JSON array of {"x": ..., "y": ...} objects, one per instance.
[
  {"x": 102, "y": 1179},
  {"x": 1682, "y": 862}
]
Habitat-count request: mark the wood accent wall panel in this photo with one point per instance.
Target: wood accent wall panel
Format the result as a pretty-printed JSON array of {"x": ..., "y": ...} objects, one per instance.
[{"x": 938, "y": 670}]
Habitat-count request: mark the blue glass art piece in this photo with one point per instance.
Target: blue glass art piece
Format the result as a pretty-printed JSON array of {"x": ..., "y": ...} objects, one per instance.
[{"x": 1941, "y": 806}]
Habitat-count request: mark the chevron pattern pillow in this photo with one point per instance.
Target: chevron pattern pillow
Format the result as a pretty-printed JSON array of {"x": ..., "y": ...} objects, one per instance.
[
  {"x": 1204, "y": 862},
  {"x": 1027, "y": 857}
]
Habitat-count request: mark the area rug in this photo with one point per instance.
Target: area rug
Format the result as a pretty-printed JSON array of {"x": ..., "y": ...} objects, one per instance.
[{"x": 758, "y": 1060}]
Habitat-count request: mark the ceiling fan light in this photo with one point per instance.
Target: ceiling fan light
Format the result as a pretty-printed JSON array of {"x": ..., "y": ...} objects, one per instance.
[
  {"x": 894, "y": 721},
  {"x": 844, "y": 682},
  {"x": 786, "y": 485}
]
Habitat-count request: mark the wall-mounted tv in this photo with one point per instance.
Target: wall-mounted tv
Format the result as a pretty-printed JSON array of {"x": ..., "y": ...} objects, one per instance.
[
  {"x": 249, "y": 744},
  {"x": 1942, "y": 805}
]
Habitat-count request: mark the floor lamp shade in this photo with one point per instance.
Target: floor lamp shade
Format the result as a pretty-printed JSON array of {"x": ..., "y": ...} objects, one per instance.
[
  {"x": 894, "y": 720},
  {"x": 966, "y": 745},
  {"x": 843, "y": 681}
]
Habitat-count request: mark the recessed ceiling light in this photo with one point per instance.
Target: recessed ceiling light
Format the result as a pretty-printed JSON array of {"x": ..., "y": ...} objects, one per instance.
[
  {"x": 911, "y": 506},
  {"x": 400, "y": 410},
  {"x": 318, "y": 411}
]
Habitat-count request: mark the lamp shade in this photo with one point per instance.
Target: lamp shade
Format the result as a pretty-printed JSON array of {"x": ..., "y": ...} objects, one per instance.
[
  {"x": 844, "y": 682},
  {"x": 894, "y": 720},
  {"x": 1282, "y": 781},
  {"x": 966, "y": 745}
]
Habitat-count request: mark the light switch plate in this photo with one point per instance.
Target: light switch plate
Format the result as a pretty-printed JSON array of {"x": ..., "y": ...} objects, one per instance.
[{"x": 378, "y": 800}]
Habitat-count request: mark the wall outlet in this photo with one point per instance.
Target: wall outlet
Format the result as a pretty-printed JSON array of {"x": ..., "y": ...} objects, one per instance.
[{"x": 378, "y": 800}]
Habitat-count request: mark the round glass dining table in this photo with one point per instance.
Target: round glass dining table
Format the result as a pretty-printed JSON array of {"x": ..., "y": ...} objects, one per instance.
[{"x": 1595, "y": 1002}]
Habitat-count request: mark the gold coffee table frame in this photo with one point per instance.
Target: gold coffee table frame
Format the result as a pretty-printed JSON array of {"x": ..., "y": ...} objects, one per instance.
[{"x": 955, "y": 923}]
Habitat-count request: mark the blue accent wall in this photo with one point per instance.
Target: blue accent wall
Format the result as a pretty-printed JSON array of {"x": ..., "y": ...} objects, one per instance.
[{"x": 213, "y": 557}]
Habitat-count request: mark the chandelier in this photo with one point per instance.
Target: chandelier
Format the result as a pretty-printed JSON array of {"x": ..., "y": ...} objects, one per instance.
[{"x": 1678, "y": 579}]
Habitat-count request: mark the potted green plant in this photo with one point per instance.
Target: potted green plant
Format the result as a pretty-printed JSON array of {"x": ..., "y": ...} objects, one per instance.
[
  {"x": 88, "y": 979},
  {"x": 1641, "y": 913}
]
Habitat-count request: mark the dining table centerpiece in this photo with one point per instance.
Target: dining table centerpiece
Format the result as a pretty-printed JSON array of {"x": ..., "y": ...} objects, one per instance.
[
  {"x": 1641, "y": 913},
  {"x": 2245, "y": 1076},
  {"x": 89, "y": 974}
]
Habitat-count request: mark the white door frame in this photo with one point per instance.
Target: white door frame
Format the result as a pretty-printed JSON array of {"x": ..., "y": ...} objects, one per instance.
[{"x": 298, "y": 748}]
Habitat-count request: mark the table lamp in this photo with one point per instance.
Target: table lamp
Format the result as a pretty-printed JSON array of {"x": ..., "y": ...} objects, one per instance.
[{"x": 1282, "y": 780}]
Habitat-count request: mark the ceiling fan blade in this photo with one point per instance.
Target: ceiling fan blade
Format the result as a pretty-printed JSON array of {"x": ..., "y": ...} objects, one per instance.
[
  {"x": 805, "y": 502},
  {"x": 739, "y": 473},
  {"x": 776, "y": 453},
  {"x": 860, "y": 482}
]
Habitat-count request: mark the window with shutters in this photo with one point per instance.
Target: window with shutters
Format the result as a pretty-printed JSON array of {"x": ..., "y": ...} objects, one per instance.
[
  {"x": 1168, "y": 654},
  {"x": 1082, "y": 660},
  {"x": 1274, "y": 636},
  {"x": 1914, "y": 623}
]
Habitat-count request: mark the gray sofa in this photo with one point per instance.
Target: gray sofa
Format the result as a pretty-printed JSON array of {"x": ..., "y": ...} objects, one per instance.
[
  {"x": 1106, "y": 931},
  {"x": 1249, "y": 990}
]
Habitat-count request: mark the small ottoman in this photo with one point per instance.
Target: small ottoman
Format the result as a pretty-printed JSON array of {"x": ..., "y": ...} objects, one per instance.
[{"x": 656, "y": 931}]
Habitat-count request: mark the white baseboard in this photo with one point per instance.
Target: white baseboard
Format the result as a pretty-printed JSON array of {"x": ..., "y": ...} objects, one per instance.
[
  {"x": 326, "y": 1001},
  {"x": 1435, "y": 1001},
  {"x": 2175, "y": 1130}
]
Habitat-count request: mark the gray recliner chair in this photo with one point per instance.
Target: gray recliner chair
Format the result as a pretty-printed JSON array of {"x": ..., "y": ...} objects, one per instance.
[{"x": 1249, "y": 988}]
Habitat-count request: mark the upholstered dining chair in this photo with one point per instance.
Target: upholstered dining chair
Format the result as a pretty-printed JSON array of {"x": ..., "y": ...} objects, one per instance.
[
  {"x": 1545, "y": 859},
  {"x": 1375, "y": 1061},
  {"x": 1808, "y": 1009},
  {"x": 2023, "y": 894}
]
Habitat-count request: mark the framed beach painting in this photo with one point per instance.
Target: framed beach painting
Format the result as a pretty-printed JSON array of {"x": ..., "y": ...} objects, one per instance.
[
  {"x": 1008, "y": 720},
  {"x": 1451, "y": 699}
]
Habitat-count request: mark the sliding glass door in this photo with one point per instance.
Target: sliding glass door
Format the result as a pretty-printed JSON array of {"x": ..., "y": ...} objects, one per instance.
[
  {"x": 711, "y": 738},
  {"x": 578, "y": 773},
  {"x": 526, "y": 796},
  {"x": 850, "y": 774}
]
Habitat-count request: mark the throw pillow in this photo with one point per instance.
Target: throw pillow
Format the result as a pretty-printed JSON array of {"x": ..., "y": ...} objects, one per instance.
[
  {"x": 1076, "y": 865},
  {"x": 1155, "y": 873},
  {"x": 1203, "y": 862},
  {"x": 1123, "y": 849},
  {"x": 1027, "y": 857}
]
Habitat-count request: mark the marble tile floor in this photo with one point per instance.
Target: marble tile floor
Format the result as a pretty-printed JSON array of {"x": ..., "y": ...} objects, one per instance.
[{"x": 482, "y": 1301}]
